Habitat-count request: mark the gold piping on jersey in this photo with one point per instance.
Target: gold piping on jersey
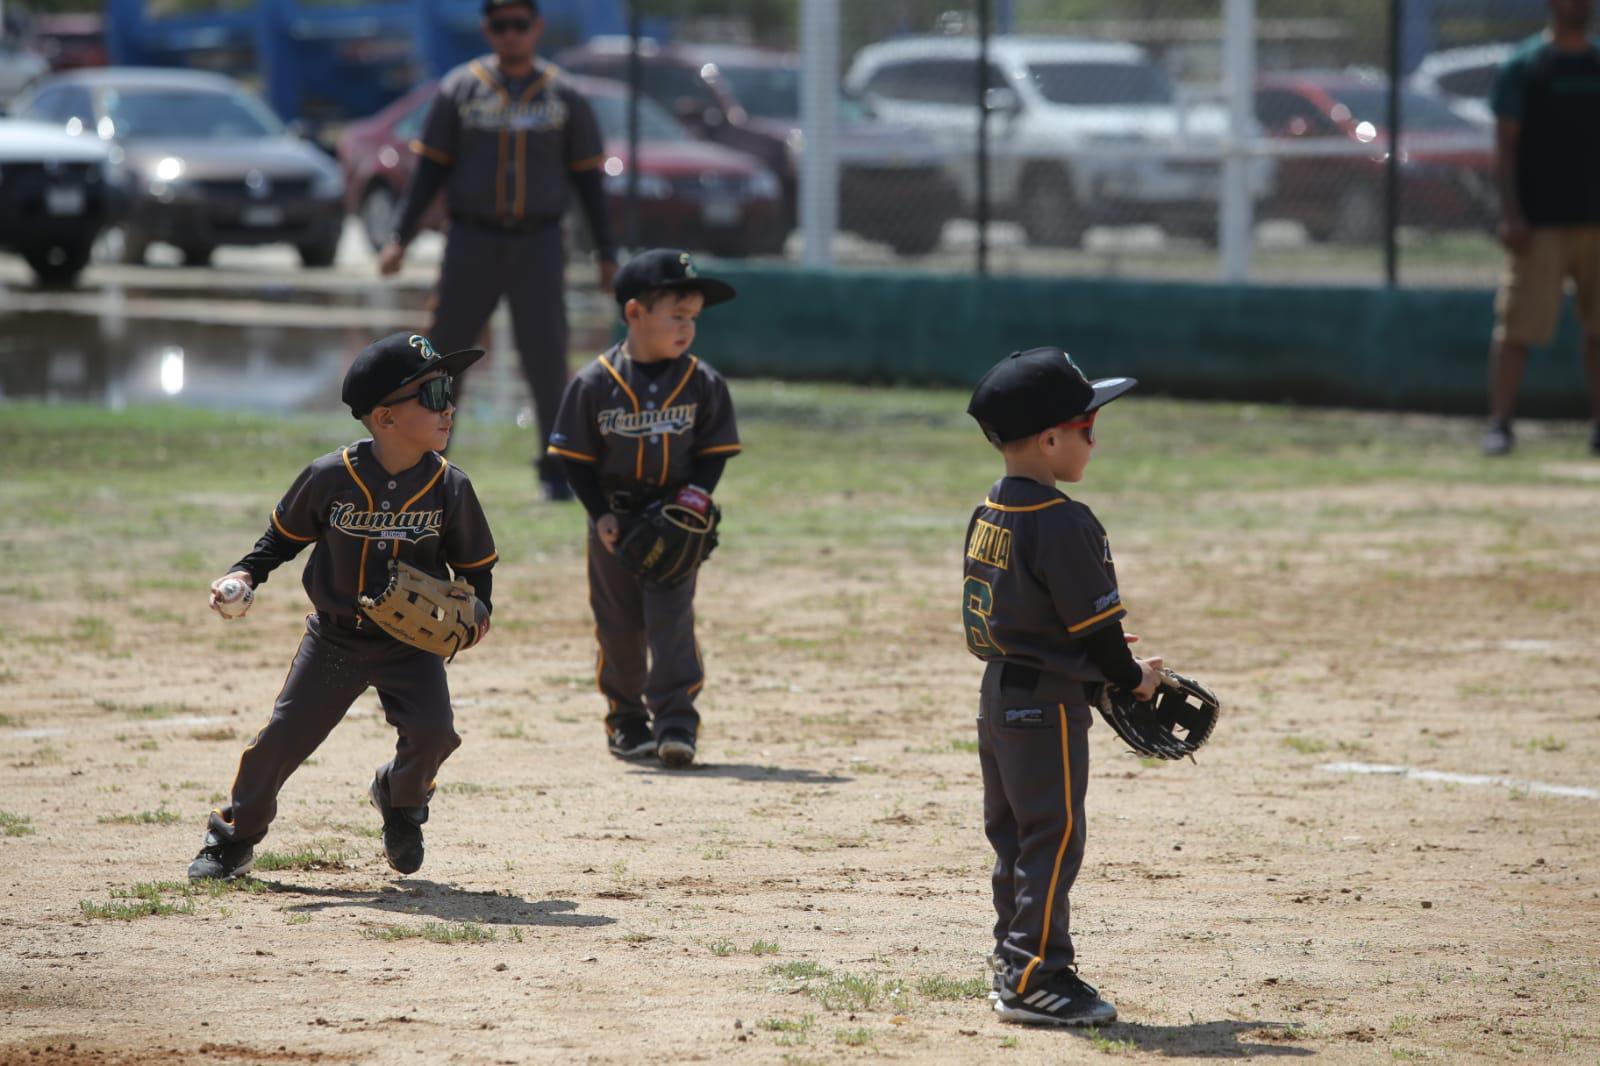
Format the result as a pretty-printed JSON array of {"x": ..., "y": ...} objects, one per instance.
[
  {"x": 361, "y": 571},
  {"x": 666, "y": 438},
  {"x": 427, "y": 152},
  {"x": 720, "y": 449},
  {"x": 522, "y": 137},
  {"x": 437, "y": 474},
  {"x": 990, "y": 544},
  {"x": 565, "y": 454},
  {"x": 482, "y": 74},
  {"x": 486, "y": 560},
  {"x": 1107, "y": 613},
  {"x": 1021, "y": 510},
  {"x": 638, "y": 466},
  {"x": 292, "y": 536},
  {"x": 588, "y": 164},
  {"x": 1055, "y": 874}
]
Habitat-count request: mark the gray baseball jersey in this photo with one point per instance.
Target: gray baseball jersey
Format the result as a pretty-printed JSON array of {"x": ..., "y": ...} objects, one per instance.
[
  {"x": 1038, "y": 577},
  {"x": 510, "y": 143},
  {"x": 644, "y": 426}
]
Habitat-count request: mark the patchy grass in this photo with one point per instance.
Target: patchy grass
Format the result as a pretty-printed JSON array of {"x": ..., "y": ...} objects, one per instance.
[
  {"x": 791, "y": 1032},
  {"x": 145, "y": 711},
  {"x": 160, "y": 898},
  {"x": 160, "y": 816},
  {"x": 860, "y": 1037},
  {"x": 764, "y": 947},
  {"x": 433, "y": 932},
  {"x": 1305, "y": 745},
  {"x": 1101, "y": 1042},
  {"x": 15, "y": 825},
  {"x": 320, "y": 855},
  {"x": 721, "y": 948},
  {"x": 841, "y": 992},
  {"x": 1546, "y": 743},
  {"x": 968, "y": 746},
  {"x": 952, "y": 988}
]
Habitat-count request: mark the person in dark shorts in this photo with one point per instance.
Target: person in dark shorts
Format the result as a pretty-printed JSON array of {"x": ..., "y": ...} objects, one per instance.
[
  {"x": 392, "y": 496},
  {"x": 1546, "y": 103},
  {"x": 508, "y": 140},
  {"x": 1040, "y": 605}
]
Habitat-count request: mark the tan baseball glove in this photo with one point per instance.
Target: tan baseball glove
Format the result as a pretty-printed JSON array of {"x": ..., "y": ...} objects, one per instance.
[{"x": 427, "y": 612}]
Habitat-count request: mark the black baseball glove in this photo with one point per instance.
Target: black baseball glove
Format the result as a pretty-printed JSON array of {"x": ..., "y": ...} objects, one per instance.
[
  {"x": 667, "y": 541},
  {"x": 1171, "y": 724}
]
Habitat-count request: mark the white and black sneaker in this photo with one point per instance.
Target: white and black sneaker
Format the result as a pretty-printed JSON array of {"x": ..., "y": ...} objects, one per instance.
[
  {"x": 631, "y": 740},
  {"x": 1065, "y": 999},
  {"x": 676, "y": 749},
  {"x": 221, "y": 861},
  {"x": 1499, "y": 438}
]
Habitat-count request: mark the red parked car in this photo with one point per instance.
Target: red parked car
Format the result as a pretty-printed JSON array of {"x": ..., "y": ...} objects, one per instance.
[
  {"x": 692, "y": 194},
  {"x": 1446, "y": 162}
]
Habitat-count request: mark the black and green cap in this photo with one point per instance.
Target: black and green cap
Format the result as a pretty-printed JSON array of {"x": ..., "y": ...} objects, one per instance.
[
  {"x": 396, "y": 360},
  {"x": 1028, "y": 392}
]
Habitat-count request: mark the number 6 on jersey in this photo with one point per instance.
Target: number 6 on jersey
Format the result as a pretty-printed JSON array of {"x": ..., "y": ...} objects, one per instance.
[{"x": 977, "y": 603}]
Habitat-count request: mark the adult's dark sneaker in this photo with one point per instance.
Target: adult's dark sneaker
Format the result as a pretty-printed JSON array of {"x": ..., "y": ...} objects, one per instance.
[
  {"x": 676, "y": 749},
  {"x": 1498, "y": 439},
  {"x": 1065, "y": 999},
  {"x": 221, "y": 861},
  {"x": 631, "y": 740},
  {"x": 402, "y": 830}
]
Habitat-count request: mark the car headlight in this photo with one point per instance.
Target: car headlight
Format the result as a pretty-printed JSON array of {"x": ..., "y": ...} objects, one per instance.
[
  {"x": 764, "y": 186},
  {"x": 327, "y": 185}
]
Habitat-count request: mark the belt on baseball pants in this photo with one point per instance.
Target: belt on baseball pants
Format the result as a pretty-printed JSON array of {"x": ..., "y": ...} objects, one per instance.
[
  {"x": 355, "y": 623},
  {"x": 505, "y": 223},
  {"x": 1014, "y": 677}
]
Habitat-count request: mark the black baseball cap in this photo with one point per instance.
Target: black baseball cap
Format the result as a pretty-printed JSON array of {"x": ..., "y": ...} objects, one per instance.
[
  {"x": 400, "y": 358},
  {"x": 667, "y": 268},
  {"x": 490, "y": 7},
  {"x": 1028, "y": 392}
]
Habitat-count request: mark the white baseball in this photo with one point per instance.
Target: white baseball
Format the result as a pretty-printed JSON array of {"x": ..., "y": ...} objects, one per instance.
[{"x": 234, "y": 598}]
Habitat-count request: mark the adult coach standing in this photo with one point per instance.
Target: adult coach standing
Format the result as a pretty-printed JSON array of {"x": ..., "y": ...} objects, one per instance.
[
  {"x": 1547, "y": 163},
  {"x": 506, "y": 138}
]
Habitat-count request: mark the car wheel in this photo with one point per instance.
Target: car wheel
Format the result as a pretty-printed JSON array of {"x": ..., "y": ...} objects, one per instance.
[
  {"x": 917, "y": 241},
  {"x": 196, "y": 255},
  {"x": 319, "y": 255},
  {"x": 1358, "y": 217},
  {"x": 1049, "y": 210},
  {"x": 378, "y": 208},
  {"x": 58, "y": 265},
  {"x": 134, "y": 246}
]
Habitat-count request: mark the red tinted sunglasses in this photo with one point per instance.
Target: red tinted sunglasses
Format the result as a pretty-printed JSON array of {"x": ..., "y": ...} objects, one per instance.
[{"x": 1085, "y": 424}]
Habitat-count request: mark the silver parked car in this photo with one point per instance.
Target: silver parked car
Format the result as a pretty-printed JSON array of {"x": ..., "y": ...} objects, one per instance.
[{"x": 209, "y": 164}]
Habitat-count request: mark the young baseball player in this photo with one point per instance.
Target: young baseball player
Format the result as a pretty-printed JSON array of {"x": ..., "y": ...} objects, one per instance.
[
  {"x": 1040, "y": 605},
  {"x": 646, "y": 421},
  {"x": 388, "y": 497}
]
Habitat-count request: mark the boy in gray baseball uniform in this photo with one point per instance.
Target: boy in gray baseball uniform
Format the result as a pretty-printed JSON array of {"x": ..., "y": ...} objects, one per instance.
[
  {"x": 646, "y": 421},
  {"x": 1040, "y": 605},
  {"x": 392, "y": 496}
]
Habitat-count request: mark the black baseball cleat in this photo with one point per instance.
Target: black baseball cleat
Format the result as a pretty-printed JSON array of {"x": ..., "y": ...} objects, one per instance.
[
  {"x": 221, "y": 861},
  {"x": 676, "y": 749},
  {"x": 1499, "y": 438},
  {"x": 402, "y": 830},
  {"x": 631, "y": 740},
  {"x": 1065, "y": 999}
]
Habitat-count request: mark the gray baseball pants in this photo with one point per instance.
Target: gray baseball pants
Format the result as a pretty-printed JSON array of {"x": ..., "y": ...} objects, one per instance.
[
  {"x": 1033, "y": 746},
  {"x": 649, "y": 666},
  {"x": 334, "y": 665},
  {"x": 528, "y": 268}
]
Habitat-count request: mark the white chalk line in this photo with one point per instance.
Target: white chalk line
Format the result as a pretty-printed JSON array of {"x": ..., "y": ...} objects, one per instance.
[{"x": 1539, "y": 787}]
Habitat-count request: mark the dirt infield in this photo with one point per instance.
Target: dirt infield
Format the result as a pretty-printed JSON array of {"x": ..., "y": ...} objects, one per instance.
[{"x": 1359, "y": 590}]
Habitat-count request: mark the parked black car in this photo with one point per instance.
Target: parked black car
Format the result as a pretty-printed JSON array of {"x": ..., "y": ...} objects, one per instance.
[
  {"x": 56, "y": 194},
  {"x": 208, "y": 163}
]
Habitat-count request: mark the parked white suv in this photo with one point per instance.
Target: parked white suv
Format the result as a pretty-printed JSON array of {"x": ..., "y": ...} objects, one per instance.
[
  {"x": 1080, "y": 132},
  {"x": 1464, "y": 77}
]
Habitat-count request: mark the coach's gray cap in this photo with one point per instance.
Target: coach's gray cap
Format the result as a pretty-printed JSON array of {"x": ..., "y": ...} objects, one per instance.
[{"x": 1028, "y": 392}]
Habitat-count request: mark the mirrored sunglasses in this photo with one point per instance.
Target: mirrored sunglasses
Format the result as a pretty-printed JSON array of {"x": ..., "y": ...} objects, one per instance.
[
  {"x": 499, "y": 26},
  {"x": 434, "y": 394}
]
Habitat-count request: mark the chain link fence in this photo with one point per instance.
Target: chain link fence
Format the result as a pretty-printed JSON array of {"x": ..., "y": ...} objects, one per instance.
[{"x": 1105, "y": 134}]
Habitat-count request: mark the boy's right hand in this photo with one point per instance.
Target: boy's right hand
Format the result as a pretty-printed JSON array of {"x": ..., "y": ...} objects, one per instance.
[
  {"x": 608, "y": 530},
  {"x": 232, "y": 608},
  {"x": 1152, "y": 677}
]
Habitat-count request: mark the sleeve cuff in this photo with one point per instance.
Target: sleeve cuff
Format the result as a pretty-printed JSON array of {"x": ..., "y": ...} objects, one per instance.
[
  {"x": 720, "y": 449},
  {"x": 1107, "y": 615},
  {"x": 565, "y": 454},
  {"x": 442, "y": 158}
]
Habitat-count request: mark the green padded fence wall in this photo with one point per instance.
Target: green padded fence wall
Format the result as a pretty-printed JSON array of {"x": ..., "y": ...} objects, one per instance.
[{"x": 1416, "y": 349}]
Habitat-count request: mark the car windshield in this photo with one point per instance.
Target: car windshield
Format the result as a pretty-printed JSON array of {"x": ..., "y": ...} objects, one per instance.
[
  {"x": 654, "y": 124},
  {"x": 1100, "y": 84},
  {"x": 766, "y": 92},
  {"x": 1417, "y": 110},
  {"x": 203, "y": 115}
]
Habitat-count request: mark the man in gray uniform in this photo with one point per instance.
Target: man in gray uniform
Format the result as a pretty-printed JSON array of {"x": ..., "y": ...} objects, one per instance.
[
  {"x": 389, "y": 497},
  {"x": 1040, "y": 605},
  {"x": 647, "y": 421},
  {"x": 506, "y": 138}
]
